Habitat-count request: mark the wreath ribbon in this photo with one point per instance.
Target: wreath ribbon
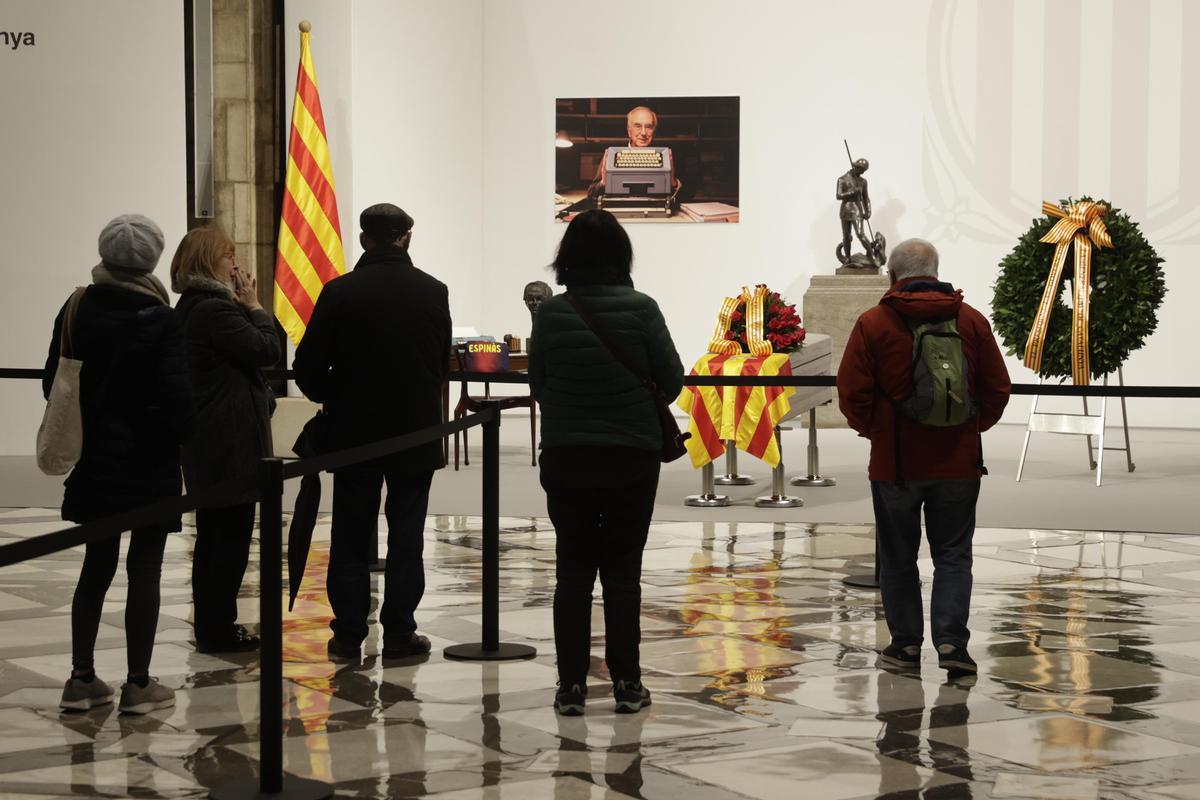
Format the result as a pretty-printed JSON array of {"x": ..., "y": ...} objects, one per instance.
[
  {"x": 754, "y": 303},
  {"x": 719, "y": 344},
  {"x": 756, "y": 321},
  {"x": 1081, "y": 224}
]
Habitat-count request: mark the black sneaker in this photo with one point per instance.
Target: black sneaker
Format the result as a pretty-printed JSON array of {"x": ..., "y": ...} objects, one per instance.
[
  {"x": 631, "y": 696},
  {"x": 415, "y": 645},
  {"x": 956, "y": 660},
  {"x": 342, "y": 653},
  {"x": 569, "y": 702},
  {"x": 906, "y": 657},
  {"x": 239, "y": 640}
]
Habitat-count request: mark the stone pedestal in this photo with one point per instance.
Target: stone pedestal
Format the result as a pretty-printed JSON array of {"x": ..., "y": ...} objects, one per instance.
[{"x": 832, "y": 305}]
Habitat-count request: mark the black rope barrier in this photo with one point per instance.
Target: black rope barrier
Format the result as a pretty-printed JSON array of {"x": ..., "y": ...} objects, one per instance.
[
  {"x": 223, "y": 494},
  {"x": 267, "y": 488},
  {"x": 1043, "y": 389}
]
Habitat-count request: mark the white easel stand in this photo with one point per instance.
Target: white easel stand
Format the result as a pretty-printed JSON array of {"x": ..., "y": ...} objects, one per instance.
[{"x": 1084, "y": 424}]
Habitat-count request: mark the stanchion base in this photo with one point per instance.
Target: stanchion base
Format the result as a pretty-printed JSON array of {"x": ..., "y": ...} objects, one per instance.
[
  {"x": 475, "y": 652},
  {"x": 293, "y": 788},
  {"x": 734, "y": 480},
  {"x": 866, "y": 581},
  {"x": 706, "y": 500},
  {"x": 778, "y": 502},
  {"x": 813, "y": 481}
]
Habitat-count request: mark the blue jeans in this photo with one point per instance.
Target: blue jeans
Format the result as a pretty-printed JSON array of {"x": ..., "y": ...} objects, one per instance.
[{"x": 950, "y": 526}]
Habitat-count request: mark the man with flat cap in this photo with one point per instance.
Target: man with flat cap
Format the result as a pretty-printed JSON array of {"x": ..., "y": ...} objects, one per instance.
[{"x": 376, "y": 353}]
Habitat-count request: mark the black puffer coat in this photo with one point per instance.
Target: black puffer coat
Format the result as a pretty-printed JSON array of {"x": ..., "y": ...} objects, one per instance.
[
  {"x": 227, "y": 347},
  {"x": 136, "y": 400}
]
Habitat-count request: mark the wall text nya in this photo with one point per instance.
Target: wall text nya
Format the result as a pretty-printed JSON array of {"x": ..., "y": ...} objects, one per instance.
[{"x": 14, "y": 39}]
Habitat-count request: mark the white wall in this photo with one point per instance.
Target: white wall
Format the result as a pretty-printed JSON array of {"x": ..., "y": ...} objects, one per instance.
[
  {"x": 952, "y": 108},
  {"x": 92, "y": 126},
  {"x": 446, "y": 108},
  {"x": 401, "y": 88}
]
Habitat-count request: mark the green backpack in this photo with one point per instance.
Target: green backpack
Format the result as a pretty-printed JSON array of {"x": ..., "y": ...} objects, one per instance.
[{"x": 939, "y": 374}]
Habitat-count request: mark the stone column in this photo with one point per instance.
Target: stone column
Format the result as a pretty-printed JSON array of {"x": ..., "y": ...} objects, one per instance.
[
  {"x": 245, "y": 132},
  {"x": 832, "y": 305}
]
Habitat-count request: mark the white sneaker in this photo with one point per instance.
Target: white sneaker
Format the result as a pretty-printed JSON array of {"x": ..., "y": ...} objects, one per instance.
[{"x": 144, "y": 699}]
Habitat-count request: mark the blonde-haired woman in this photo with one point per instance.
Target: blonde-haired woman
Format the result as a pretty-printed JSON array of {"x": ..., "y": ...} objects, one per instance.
[{"x": 230, "y": 338}]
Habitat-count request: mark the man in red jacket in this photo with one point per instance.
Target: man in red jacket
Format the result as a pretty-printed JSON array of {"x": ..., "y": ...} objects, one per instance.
[{"x": 914, "y": 465}]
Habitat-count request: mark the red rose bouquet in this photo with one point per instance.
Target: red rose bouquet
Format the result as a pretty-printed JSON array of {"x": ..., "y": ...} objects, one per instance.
[{"x": 781, "y": 326}]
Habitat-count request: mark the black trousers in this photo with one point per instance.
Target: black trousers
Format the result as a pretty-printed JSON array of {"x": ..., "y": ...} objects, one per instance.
[
  {"x": 601, "y": 500},
  {"x": 144, "y": 564},
  {"x": 355, "y": 524},
  {"x": 218, "y": 567}
]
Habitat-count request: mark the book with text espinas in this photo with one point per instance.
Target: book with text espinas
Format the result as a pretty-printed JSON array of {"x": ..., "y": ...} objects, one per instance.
[{"x": 486, "y": 356}]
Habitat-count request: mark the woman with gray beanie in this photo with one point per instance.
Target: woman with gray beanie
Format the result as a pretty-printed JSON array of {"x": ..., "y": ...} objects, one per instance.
[
  {"x": 137, "y": 410},
  {"x": 230, "y": 338}
]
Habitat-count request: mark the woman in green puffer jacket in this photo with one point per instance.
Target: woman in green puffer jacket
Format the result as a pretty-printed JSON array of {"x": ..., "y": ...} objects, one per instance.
[{"x": 601, "y": 448}]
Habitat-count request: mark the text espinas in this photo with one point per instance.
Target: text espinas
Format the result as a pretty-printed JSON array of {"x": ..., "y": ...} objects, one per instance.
[
  {"x": 15, "y": 39},
  {"x": 483, "y": 347}
]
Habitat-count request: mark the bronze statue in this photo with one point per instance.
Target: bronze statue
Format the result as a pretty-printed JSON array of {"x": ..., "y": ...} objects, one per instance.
[
  {"x": 856, "y": 215},
  {"x": 535, "y": 293}
]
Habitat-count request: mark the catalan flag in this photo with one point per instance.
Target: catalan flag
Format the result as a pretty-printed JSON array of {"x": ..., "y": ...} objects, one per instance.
[
  {"x": 310, "y": 238},
  {"x": 744, "y": 415}
]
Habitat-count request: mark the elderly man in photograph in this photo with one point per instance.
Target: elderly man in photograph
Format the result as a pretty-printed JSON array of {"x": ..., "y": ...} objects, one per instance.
[
  {"x": 376, "y": 353},
  {"x": 640, "y": 125},
  {"x": 921, "y": 460}
]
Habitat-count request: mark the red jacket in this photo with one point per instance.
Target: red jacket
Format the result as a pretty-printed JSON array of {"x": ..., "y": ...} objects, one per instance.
[{"x": 876, "y": 368}]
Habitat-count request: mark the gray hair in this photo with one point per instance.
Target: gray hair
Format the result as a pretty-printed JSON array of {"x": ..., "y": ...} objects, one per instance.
[
  {"x": 629, "y": 116},
  {"x": 912, "y": 258}
]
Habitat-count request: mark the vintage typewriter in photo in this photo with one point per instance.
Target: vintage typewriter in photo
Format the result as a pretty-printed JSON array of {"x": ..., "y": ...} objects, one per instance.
[{"x": 638, "y": 181}]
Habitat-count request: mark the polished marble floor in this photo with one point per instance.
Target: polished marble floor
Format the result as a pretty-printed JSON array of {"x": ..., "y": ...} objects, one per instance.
[{"x": 760, "y": 660}]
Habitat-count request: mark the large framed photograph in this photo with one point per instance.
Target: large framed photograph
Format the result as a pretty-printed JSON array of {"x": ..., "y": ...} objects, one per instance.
[{"x": 652, "y": 159}]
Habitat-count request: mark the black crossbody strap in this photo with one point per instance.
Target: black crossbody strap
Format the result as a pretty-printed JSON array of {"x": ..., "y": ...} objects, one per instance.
[{"x": 591, "y": 323}]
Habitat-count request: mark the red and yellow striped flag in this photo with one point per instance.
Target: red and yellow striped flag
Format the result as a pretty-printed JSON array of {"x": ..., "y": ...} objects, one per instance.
[{"x": 310, "y": 238}]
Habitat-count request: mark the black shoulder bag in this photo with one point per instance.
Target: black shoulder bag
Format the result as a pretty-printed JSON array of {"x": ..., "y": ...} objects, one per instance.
[{"x": 672, "y": 439}]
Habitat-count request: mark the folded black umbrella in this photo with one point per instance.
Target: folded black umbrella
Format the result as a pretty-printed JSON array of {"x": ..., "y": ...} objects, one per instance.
[{"x": 309, "y": 443}]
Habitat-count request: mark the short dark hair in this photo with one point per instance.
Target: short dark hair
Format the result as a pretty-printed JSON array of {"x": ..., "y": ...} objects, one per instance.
[
  {"x": 594, "y": 250},
  {"x": 384, "y": 222}
]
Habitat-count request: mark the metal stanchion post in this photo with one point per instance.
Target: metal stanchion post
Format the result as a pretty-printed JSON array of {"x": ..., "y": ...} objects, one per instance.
[
  {"x": 491, "y": 648},
  {"x": 870, "y": 581},
  {"x": 272, "y": 781},
  {"x": 732, "y": 477},
  {"x": 814, "y": 457},
  {"x": 708, "y": 498},
  {"x": 777, "y": 498}
]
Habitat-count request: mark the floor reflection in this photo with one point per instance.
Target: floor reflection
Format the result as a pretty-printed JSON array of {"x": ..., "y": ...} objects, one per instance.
[{"x": 761, "y": 662}]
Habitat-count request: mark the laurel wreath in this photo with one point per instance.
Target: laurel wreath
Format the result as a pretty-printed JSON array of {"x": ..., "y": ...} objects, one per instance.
[{"x": 1128, "y": 287}]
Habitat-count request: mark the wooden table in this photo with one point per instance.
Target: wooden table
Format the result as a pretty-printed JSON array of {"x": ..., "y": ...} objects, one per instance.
[{"x": 517, "y": 363}]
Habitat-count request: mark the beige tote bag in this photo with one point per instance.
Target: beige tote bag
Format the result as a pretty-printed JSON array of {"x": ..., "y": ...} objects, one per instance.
[{"x": 60, "y": 436}]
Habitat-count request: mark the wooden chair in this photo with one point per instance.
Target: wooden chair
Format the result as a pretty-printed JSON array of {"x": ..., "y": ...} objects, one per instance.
[{"x": 468, "y": 404}]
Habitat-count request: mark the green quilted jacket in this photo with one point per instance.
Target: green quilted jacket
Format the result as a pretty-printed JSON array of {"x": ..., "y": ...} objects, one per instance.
[{"x": 586, "y": 396}]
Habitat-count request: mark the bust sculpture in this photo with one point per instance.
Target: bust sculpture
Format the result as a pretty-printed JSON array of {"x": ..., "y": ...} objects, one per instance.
[{"x": 535, "y": 293}]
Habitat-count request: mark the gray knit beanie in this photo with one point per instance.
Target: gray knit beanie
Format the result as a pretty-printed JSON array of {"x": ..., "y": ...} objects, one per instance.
[{"x": 132, "y": 242}]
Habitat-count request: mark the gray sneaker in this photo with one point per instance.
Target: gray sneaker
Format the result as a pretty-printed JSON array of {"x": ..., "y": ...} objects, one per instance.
[
  {"x": 142, "y": 700},
  {"x": 80, "y": 695}
]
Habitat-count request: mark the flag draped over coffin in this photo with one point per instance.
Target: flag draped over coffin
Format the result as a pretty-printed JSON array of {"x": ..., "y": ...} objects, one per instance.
[{"x": 745, "y": 415}]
